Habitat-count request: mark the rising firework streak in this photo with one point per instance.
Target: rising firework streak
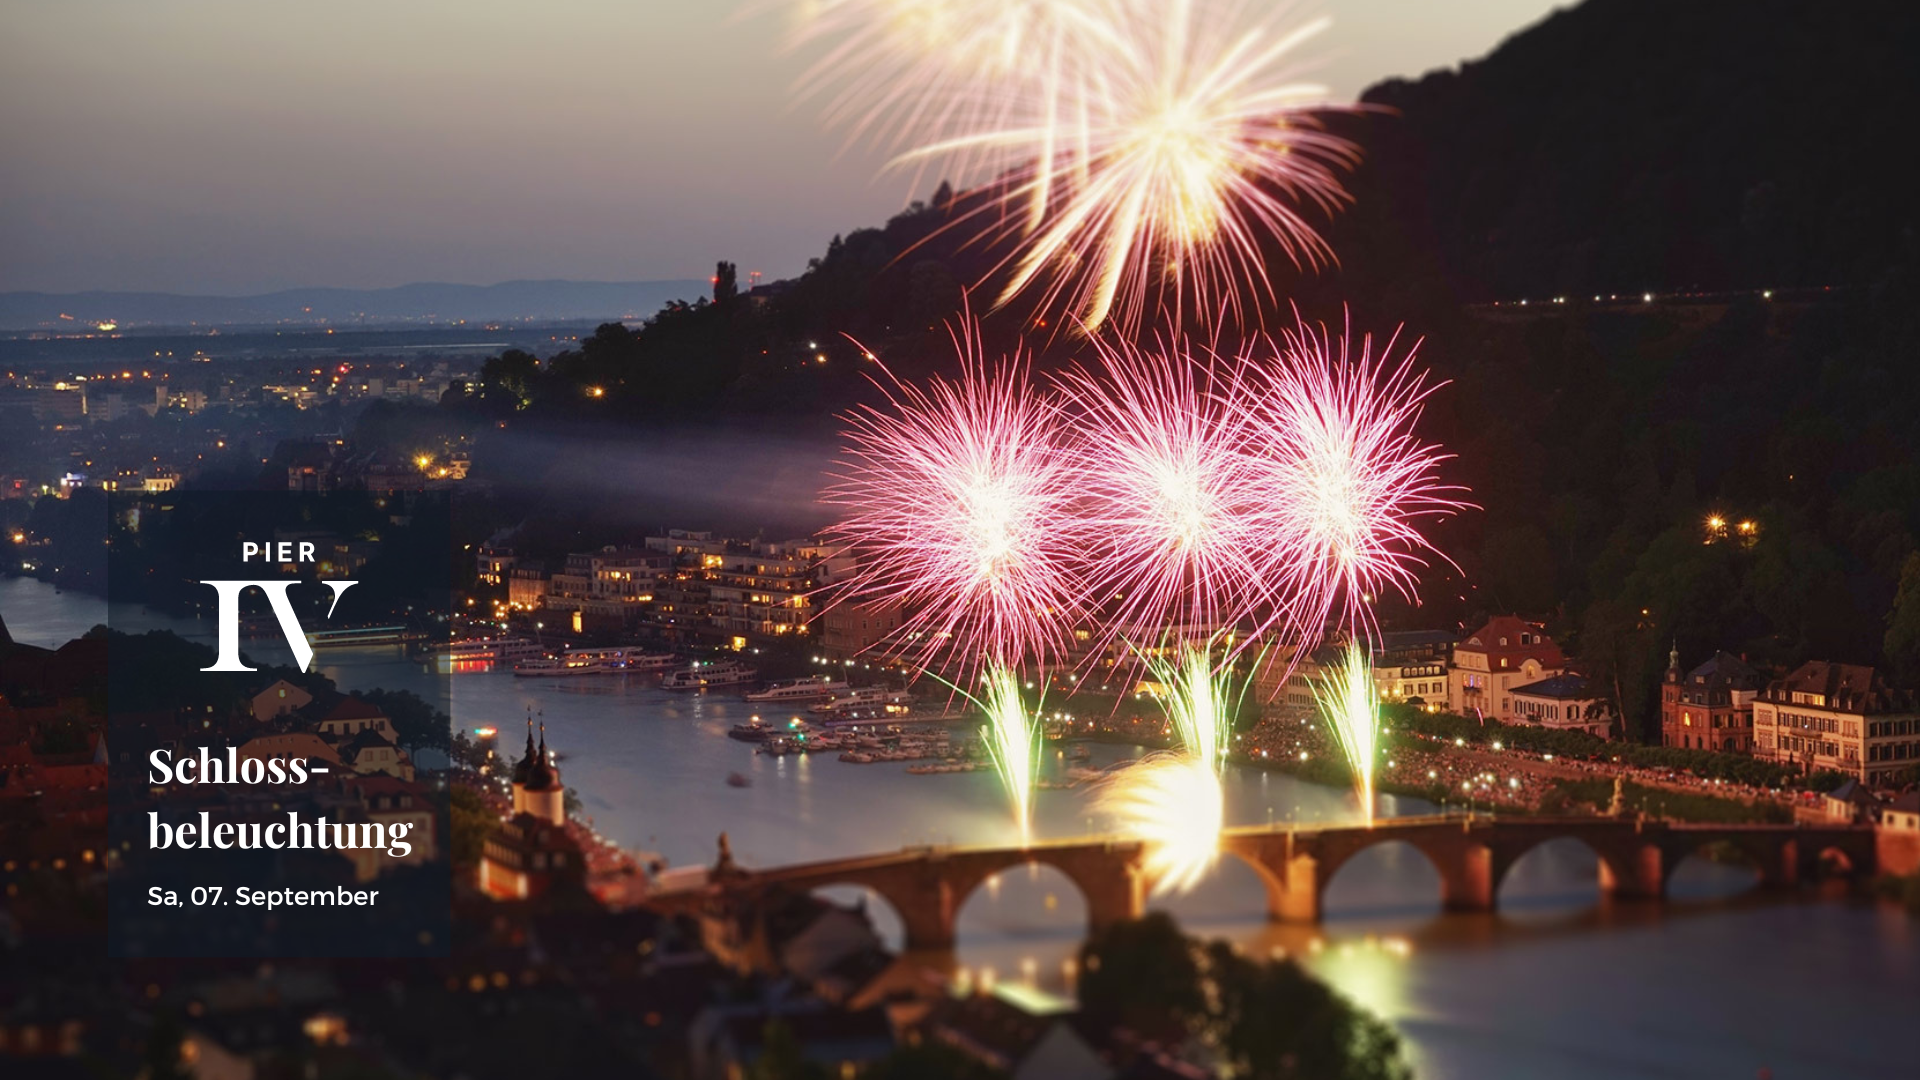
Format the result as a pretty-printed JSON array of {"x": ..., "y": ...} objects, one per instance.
[{"x": 1348, "y": 703}]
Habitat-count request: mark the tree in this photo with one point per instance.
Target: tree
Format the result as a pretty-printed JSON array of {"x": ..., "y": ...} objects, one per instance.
[
  {"x": 1267, "y": 1020},
  {"x": 416, "y": 722},
  {"x": 1902, "y": 642},
  {"x": 726, "y": 283},
  {"x": 1142, "y": 975},
  {"x": 1273, "y": 1021},
  {"x": 470, "y": 822}
]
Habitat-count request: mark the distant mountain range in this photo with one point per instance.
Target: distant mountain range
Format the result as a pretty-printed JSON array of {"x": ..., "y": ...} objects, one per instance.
[{"x": 426, "y": 302}]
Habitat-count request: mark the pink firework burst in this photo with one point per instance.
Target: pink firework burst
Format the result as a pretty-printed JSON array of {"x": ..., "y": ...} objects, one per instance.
[
  {"x": 956, "y": 498},
  {"x": 1341, "y": 480},
  {"x": 1167, "y": 533}
]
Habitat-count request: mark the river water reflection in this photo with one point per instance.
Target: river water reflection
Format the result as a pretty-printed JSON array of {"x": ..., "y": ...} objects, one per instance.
[{"x": 1722, "y": 983}]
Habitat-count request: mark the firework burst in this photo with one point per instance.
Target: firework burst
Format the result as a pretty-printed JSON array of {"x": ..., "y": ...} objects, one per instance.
[
  {"x": 1342, "y": 482},
  {"x": 906, "y": 73},
  {"x": 1165, "y": 534},
  {"x": 956, "y": 496},
  {"x": 1151, "y": 172}
]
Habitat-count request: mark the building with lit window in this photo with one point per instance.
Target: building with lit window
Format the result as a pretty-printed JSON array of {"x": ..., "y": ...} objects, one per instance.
[
  {"x": 1411, "y": 665},
  {"x": 1710, "y": 707},
  {"x": 1507, "y": 652},
  {"x": 1564, "y": 702},
  {"x": 765, "y": 590},
  {"x": 1839, "y": 717}
]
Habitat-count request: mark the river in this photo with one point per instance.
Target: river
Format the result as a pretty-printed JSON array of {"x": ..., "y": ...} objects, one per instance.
[{"x": 1559, "y": 984}]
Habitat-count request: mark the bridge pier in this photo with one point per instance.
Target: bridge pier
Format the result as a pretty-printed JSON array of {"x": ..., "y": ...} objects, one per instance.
[
  {"x": 1298, "y": 897},
  {"x": 1115, "y": 896},
  {"x": 1467, "y": 883},
  {"x": 1638, "y": 874},
  {"x": 1782, "y": 870},
  {"x": 928, "y": 912}
]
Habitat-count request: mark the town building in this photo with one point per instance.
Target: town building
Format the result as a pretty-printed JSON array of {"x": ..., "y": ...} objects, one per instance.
[
  {"x": 349, "y": 717},
  {"x": 529, "y": 857},
  {"x": 1015, "y": 1039},
  {"x": 1411, "y": 665},
  {"x": 853, "y": 628},
  {"x": 1902, "y": 815},
  {"x": 1506, "y": 652},
  {"x": 763, "y": 591},
  {"x": 370, "y": 752},
  {"x": 603, "y": 589},
  {"x": 1710, "y": 707},
  {"x": 527, "y": 588},
  {"x": 1563, "y": 702},
  {"x": 1839, "y": 717},
  {"x": 495, "y": 561},
  {"x": 279, "y": 699}
]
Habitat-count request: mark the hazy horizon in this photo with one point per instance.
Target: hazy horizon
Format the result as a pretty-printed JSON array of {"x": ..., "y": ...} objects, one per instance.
[{"x": 213, "y": 147}]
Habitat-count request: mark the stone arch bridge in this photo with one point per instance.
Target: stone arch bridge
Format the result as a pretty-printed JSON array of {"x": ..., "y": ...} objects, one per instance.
[{"x": 927, "y": 886}]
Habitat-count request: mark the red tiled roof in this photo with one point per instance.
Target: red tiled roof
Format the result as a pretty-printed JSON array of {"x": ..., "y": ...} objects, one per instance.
[
  {"x": 352, "y": 708},
  {"x": 1523, "y": 640}
]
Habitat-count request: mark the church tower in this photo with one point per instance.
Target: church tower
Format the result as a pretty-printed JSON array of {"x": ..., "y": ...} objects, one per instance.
[
  {"x": 522, "y": 770},
  {"x": 542, "y": 795},
  {"x": 1671, "y": 729}
]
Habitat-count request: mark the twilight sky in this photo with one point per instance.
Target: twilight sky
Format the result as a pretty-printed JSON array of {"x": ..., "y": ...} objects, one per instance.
[{"x": 237, "y": 146}]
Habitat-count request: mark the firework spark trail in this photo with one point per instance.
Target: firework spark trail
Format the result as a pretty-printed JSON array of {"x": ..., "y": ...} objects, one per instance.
[
  {"x": 1165, "y": 533},
  {"x": 956, "y": 497},
  {"x": 1349, "y": 705},
  {"x": 1012, "y": 741},
  {"x": 1155, "y": 171},
  {"x": 1197, "y": 705},
  {"x": 905, "y": 73},
  {"x": 1342, "y": 480},
  {"x": 1175, "y": 802}
]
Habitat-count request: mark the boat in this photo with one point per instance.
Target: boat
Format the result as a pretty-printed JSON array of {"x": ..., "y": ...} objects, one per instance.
[
  {"x": 708, "y": 673},
  {"x": 567, "y": 664},
  {"x": 482, "y": 650},
  {"x": 735, "y": 779},
  {"x": 799, "y": 690},
  {"x": 751, "y": 731},
  {"x": 866, "y": 696},
  {"x": 582, "y": 661},
  {"x": 353, "y": 637},
  {"x": 651, "y": 661}
]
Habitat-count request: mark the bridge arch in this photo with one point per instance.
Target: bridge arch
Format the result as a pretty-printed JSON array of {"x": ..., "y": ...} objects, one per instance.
[
  {"x": 1709, "y": 866},
  {"x": 1832, "y": 860},
  {"x": 1539, "y": 859},
  {"x": 1386, "y": 856},
  {"x": 1020, "y": 923},
  {"x": 1108, "y": 881},
  {"x": 889, "y": 923},
  {"x": 1238, "y": 887}
]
